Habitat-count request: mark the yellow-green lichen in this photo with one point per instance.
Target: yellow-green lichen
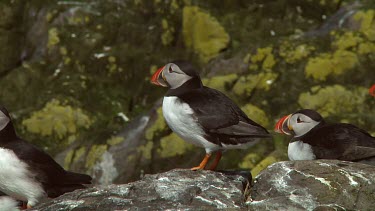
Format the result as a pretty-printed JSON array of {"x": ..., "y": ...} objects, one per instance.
[
  {"x": 264, "y": 57},
  {"x": 293, "y": 54},
  {"x": 347, "y": 40},
  {"x": 168, "y": 31},
  {"x": 326, "y": 64},
  {"x": 202, "y": 33},
  {"x": 68, "y": 159},
  {"x": 220, "y": 83},
  {"x": 112, "y": 67},
  {"x": 158, "y": 126},
  {"x": 366, "y": 48},
  {"x": 256, "y": 154},
  {"x": 172, "y": 145},
  {"x": 94, "y": 154},
  {"x": 114, "y": 140},
  {"x": 78, "y": 154},
  {"x": 57, "y": 120},
  {"x": 246, "y": 84},
  {"x": 146, "y": 149},
  {"x": 367, "y": 19},
  {"x": 256, "y": 114},
  {"x": 53, "y": 37},
  {"x": 333, "y": 99}
]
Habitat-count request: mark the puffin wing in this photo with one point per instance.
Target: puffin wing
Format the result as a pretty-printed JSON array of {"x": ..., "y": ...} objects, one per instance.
[
  {"x": 218, "y": 114},
  {"x": 341, "y": 141}
]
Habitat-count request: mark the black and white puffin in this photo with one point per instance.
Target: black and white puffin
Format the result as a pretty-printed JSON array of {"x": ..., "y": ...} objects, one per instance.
[
  {"x": 203, "y": 116},
  {"x": 27, "y": 173},
  {"x": 316, "y": 139}
]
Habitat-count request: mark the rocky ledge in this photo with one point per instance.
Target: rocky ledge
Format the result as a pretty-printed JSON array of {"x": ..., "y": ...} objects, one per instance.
[{"x": 300, "y": 185}]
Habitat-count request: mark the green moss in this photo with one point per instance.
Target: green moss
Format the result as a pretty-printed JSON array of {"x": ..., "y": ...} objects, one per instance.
[
  {"x": 293, "y": 54},
  {"x": 94, "y": 154},
  {"x": 366, "y": 48},
  {"x": 333, "y": 99},
  {"x": 255, "y": 155},
  {"x": 220, "y": 83},
  {"x": 256, "y": 114},
  {"x": 172, "y": 145},
  {"x": 158, "y": 126},
  {"x": 326, "y": 64},
  {"x": 53, "y": 37},
  {"x": 202, "y": 33},
  {"x": 57, "y": 120},
  {"x": 68, "y": 159},
  {"x": 274, "y": 157},
  {"x": 347, "y": 40},
  {"x": 112, "y": 66},
  {"x": 245, "y": 85},
  {"x": 114, "y": 140}
]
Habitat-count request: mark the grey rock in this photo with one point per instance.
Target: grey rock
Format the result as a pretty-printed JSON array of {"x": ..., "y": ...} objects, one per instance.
[
  {"x": 175, "y": 189},
  {"x": 314, "y": 185}
]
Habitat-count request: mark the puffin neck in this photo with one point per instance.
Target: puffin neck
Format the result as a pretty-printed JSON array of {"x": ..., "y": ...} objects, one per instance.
[
  {"x": 194, "y": 83},
  {"x": 7, "y": 134}
]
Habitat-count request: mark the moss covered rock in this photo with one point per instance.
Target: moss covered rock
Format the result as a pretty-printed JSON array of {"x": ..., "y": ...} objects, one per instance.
[{"x": 202, "y": 33}]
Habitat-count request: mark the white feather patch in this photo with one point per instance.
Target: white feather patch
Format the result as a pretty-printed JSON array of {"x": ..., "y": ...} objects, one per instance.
[
  {"x": 8, "y": 204},
  {"x": 298, "y": 150},
  {"x": 16, "y": 180}
]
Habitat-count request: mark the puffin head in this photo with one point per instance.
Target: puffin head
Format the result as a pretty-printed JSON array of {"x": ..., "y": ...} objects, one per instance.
[
  {"x": 174, "y": 75},
  {"x": 299, "y": 123},
  {"x": 4, "y": 117}
]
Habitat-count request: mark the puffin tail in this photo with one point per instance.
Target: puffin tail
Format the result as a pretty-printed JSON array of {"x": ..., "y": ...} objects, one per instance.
[{"x": 73, "y": 178}]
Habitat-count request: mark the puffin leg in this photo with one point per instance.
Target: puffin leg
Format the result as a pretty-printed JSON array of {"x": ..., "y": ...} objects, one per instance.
[
  {"x": 216, "y": 161},
  {"x": 203, "y": 163}
]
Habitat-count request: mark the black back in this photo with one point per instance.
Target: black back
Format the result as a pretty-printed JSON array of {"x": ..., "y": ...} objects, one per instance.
[{"x": 340, "y": 141}]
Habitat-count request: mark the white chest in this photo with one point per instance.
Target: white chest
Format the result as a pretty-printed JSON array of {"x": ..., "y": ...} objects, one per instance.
[
  {"x": 298, "y": 150},
  {"x": 16, "y": 180},
  {"x": 178, "y": 116}
]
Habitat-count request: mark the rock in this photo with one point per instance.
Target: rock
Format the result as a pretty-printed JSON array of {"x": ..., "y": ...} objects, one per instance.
[
  {"x": 314, "y": 185},
  {"x": 175, "y": 189}
]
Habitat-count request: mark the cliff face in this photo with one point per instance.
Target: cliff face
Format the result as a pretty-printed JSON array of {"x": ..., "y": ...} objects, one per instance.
[{"x": 301, "y": 185}]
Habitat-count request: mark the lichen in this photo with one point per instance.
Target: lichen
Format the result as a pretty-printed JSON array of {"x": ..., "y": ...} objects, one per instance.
[
  {"x": 146, "y": 149},
  {"x": 325, "y": 64},
  {"x": 220, "y": 83},
  {"x": 263, "y": 57},
  {"x": 333, "y": 99},
  {"x": 158, "y": 126},
  {"x": 256, "y": 114},
  {"x": 245, "y": 84},
  {"x": 53, "y": 37},
  {"x": 57, "y": 120},
  {"x": 367, "y": 19},
  {"x": 94, "y": 154},
  {"x": 293, "y": 54},
  {"x": 114, "y": 140},
  {"x": 167, "y": 34},
  {"x": 68, "y": 159},
  {"x": 347, "y": 40},
  {"x": 172, "y": 145},
  {"x": 202, "y": 33},
  {"x": 79, "y": 153}
]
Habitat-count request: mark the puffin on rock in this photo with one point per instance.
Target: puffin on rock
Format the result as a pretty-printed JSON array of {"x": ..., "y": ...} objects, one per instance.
[
  {"x": 203, "y": 116},
  {"x": 315, "y": 139},
  {"x": 29, "y": 174}
]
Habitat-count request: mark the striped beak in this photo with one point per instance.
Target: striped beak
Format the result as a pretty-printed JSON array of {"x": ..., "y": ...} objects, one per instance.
[
  {"x": 283, "y": 126},
  {"x": 158, "y": 78}
]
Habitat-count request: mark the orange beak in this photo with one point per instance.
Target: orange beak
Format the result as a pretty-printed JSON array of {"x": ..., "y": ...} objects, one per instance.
[
  {"x": 283, "y": 127},
  {"x": 158, "y": 79}
]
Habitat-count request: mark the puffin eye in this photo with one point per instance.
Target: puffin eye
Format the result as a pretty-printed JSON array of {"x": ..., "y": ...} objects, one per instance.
[
  {"x": 170, "y": 70},
  {"x": 299, "y": 120}
]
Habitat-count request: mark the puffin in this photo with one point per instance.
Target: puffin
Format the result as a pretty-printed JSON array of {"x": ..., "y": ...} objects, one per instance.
[
  {"x": 203, "y": 116},
  {"x": 29, "y": 174},
  {"x": 8, "y": 204},
  {"x": 313, "y": 138}
]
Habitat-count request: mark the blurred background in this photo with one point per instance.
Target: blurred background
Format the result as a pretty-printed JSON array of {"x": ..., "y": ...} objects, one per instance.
[{"x": 75, "y": 75}]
